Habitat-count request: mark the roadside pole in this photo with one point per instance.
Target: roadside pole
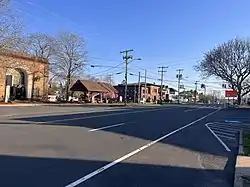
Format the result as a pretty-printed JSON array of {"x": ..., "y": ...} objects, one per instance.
[
  {"x": 139, "y": 87},
  {"x": 195, "y": 94},
  {"x": 162, "y": 71},
  {"x": 145, "y": 88},
  {"x": 126, "y": 58},
  {"x": 179, "y": 76}
]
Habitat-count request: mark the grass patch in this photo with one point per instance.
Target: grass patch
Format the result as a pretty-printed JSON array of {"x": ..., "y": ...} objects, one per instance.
[{"x": 246, "y": 143}]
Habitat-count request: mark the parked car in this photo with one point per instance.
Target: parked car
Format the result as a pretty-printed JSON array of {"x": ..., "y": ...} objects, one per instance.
[{"x": 142, "y": 101}]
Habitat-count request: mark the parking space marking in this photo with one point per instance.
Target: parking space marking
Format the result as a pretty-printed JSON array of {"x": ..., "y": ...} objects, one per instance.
[
  {"x": 226, "y": 129},
  {"x": 96, "y": 172},
  {"x": 217, "y": 137},
  {"x": 224, "y": 133},
  {"x": 227, "y": 137},
  {"x": 107, "y": 127}
]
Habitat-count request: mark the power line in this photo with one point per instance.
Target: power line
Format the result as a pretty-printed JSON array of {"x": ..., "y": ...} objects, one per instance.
[
  {"x": 108, "y": 69},
  {"x": 32, "y": 4}
]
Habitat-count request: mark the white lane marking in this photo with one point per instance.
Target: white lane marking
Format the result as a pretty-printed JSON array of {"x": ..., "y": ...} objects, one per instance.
[
  {"x": 106, "y": 127},
  {"x": 112, "y": 114},
  {"x": 222, "y": 143},
  {"x": 96, "y": 172},
  {"x": 189, "y": 110},
  {"x": 224, "y": 133},
  {"x": 226, "y": 129},
  {"x": 232, "y": 121},
  {"x": 227, "y": 137}
]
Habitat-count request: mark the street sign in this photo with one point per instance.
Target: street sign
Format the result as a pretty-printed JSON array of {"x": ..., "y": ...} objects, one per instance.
[{"x": 231, "y": 93}]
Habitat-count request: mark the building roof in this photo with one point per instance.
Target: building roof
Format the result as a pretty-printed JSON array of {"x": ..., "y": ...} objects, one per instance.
[
  {"x": 108, "y": 86},
  {"x": 92, "y": 86},
  {"x": 172, "y": 90},
  {"x": 21, "y": 55}
]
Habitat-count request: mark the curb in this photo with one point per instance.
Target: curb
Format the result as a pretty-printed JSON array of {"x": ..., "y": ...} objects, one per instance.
[
  {"x": 241, "y": 150},
  {"x": 238, "y": 181},
  {"x": 239, "y": 172}
]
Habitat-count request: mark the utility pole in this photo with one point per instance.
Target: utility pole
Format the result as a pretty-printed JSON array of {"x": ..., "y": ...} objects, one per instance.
[
  {"x": 162, "y": 71},
  {"x": 126, "y": 57},
  {"x": 139, "y": 87},
  {"x": 110, "y": 78},
  {"x": 145, "y": 88},
  {"x": 195, "y": 93},
  {"x": 135, "y": 93},
  {"x": 179, "y": 77}
]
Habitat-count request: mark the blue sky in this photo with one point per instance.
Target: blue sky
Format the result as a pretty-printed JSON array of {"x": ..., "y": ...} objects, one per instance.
[{"x": 161, "y": 32}]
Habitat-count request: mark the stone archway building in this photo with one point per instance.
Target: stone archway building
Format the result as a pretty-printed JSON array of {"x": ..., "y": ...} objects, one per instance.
[{"x": 25, "y": 73}]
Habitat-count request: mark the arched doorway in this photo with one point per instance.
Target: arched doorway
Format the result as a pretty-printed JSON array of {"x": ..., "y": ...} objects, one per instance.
[{"x": 18, "y": 87}]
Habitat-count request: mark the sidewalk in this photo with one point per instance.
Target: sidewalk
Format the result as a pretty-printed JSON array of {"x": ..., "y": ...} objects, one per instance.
[
  {"x": 77, "y": 104},
  {"x": 242, "y": 167}
]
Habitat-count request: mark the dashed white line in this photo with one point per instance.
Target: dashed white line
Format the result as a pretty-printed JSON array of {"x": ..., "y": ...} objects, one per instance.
[
  {"x": 106, "y": 127},
  {"x": 215, "y": 135},
  {"x": 96, "y": 172}
]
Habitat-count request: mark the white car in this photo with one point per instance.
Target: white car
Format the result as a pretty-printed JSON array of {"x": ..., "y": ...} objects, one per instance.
[{"x": 142, "y": 101}]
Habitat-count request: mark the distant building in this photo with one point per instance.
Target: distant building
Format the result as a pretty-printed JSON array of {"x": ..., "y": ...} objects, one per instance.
[
  {"x": 21, "y": 73},
  {"x": 151, "y": 93}
]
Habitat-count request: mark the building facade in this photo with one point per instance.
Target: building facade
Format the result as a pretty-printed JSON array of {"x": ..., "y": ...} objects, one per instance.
[
  {"x": 151, "y": 93},
  {"x": 22, "y": 75}
]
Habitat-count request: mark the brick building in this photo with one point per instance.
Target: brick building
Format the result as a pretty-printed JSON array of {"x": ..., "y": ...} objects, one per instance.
[
  {"x": 151, "y": 93},
  {"x": 23, "y": 73}
]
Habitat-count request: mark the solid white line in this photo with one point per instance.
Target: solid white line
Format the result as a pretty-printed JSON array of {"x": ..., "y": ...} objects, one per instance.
[
  {"x": 227, "y": 137},
  {"x": 222, "y": 143},
  {"x": 104, "y": 115},
  {"x": 106, "y": 127},
  {"x": 85, "y": 178}
]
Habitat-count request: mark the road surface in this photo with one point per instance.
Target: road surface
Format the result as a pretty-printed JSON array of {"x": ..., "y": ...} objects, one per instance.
[{"x": 161, "y": 146}]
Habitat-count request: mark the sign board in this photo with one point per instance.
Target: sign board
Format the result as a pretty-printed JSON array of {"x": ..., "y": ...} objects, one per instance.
[{"x": 231, "y": 93}]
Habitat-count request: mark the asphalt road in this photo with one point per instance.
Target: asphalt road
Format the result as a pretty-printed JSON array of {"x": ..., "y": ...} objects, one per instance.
[{"x": 161, "y": 146}]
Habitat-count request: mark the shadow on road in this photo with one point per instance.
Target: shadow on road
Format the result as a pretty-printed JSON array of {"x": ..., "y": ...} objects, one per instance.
[
  {"x": 56, "y": 172},
  {"x": 150, "y": 127}
]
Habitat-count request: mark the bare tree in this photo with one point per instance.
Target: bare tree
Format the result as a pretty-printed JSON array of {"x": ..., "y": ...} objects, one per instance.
[
  {"x": 70, "y": 57},
  {"x": 230, "y": 62},
  {"x": 11, "y": 27},
  {"x": 4, "y": 3},
  {"x": 41, "y": 46}
]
